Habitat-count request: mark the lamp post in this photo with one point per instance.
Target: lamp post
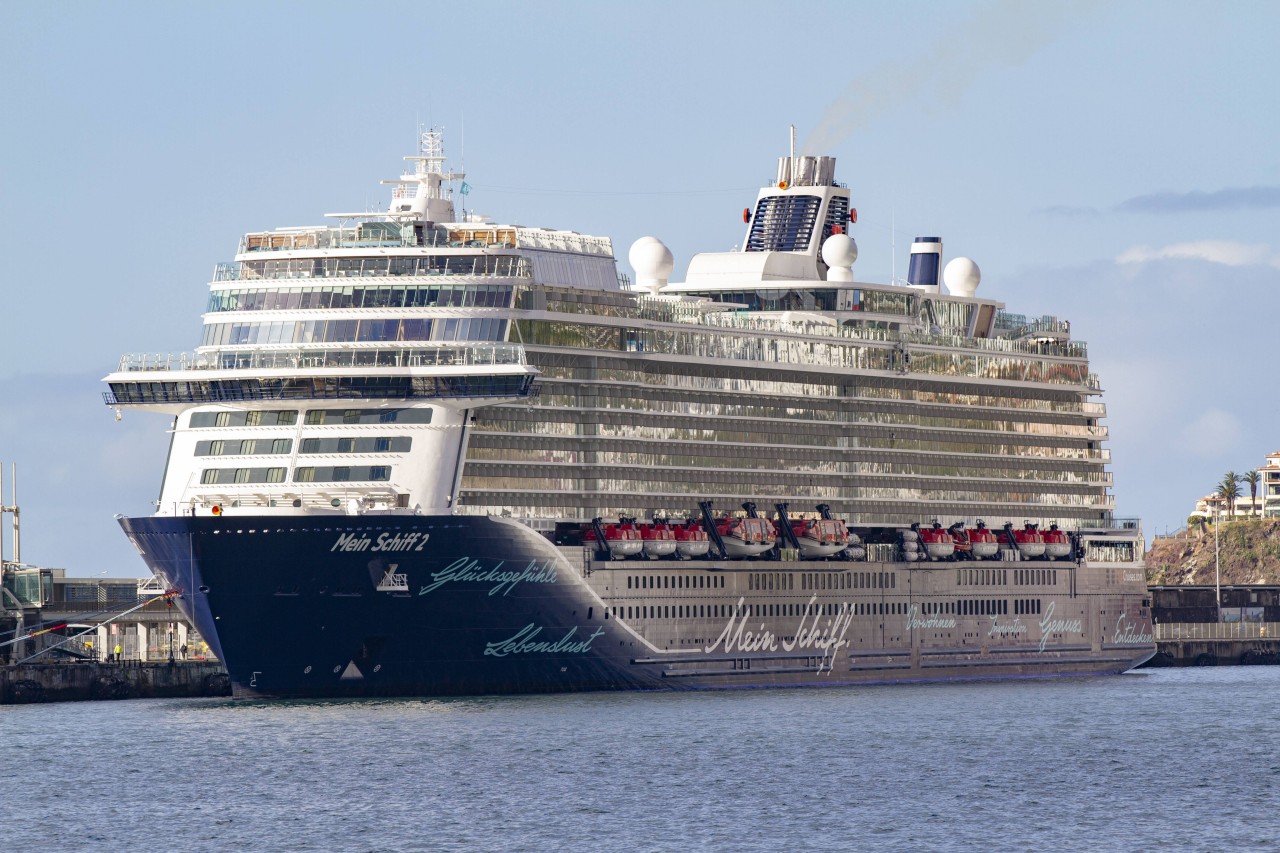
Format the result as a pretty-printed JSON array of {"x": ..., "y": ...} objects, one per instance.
[{"x": 1217, "y": 574}]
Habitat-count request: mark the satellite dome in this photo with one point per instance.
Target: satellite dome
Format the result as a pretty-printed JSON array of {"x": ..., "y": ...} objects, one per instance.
[
  {"x": 961, "y": 276},
  {"x": 839, "y": 251},
  {"x": 652, "y": 262}
]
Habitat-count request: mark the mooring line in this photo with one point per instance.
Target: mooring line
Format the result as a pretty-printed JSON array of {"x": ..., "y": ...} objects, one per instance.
[{"x": 93, "y": 629}]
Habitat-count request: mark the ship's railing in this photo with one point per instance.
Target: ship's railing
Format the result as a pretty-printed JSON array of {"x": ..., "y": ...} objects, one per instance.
[
  {"x": 744, "y": 320},
  {"x": 474, "y": 266},
  {"x": 868, "y": 393},
  {"x": 341, "y": 238},
  {"x": 1032, "y": 326},
  {"x": 387, "y": 235},
  {"x": 294, "y": 359},
  {"x": 1216, "y": 630},
  {"x": 289, "y": 498},
  {"x": 1067, "y": 349}
]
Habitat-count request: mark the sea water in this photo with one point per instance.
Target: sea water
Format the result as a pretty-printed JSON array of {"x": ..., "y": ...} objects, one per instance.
[{"x": 1183, "y": 759}]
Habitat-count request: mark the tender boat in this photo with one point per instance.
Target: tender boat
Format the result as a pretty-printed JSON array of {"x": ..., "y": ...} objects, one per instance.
[
  {"x": 746, "y": 537},
  {"x": 820, "y": 537}
]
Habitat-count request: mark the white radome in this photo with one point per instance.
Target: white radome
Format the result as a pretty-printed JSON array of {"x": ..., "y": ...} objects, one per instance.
[
  {"x": 839, "y": 250},
  {"x": 962, "y": 276},
  {"x": 652, "y": 262}
]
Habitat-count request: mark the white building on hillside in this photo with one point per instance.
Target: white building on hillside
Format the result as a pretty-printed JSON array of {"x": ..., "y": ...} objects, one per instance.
[
  {"x": 1266, "y": 504},
  {"x": 1270, "y": 486}
]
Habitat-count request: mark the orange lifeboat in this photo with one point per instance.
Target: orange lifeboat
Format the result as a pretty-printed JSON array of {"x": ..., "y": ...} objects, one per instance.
[
  {"x": 622, "y": 539},
  {"x": 1057, "y": 544},
  {"x": 1031, "y": 541},
  {"x": 658, "y": 539},
  {"x": 938, "y": 544},
  {"x": 692, "y": 540},
  {"x": 1028, "y": 541},
  {"x": 982, "y": 542}
]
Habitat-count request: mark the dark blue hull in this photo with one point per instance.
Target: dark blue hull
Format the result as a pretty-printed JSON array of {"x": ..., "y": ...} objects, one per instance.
[
  {"x": 439, "y": 605},
  {"x": 386, "y": 606}
]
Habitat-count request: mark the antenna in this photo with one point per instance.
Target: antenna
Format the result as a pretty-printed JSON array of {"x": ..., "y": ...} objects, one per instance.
[
  {"x": 793, "y": 148},
  {"x": 17, "y": 532},
  {"x": 893, "y": 244}
]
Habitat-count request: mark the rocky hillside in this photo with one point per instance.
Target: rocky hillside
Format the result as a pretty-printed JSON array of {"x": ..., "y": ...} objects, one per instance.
[{"x": 1249, "y": 554}]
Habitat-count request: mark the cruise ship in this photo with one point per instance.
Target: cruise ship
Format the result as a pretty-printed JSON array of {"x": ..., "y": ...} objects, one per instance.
[{"x": 421, "y": 453}]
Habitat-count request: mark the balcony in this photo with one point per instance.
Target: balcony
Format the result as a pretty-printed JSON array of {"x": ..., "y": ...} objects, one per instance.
[{"x": 483, "y": 355}]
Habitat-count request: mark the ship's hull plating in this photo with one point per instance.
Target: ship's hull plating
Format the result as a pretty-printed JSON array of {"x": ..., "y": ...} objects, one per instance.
[{"x": 439, "y": 605}]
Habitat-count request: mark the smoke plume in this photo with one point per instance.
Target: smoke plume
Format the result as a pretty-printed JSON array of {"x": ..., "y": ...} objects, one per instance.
[{"x": 1006, "y": 32}]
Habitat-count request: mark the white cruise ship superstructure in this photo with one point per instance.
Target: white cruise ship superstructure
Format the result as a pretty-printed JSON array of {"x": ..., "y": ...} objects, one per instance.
[{"x": 423, "y": 453}]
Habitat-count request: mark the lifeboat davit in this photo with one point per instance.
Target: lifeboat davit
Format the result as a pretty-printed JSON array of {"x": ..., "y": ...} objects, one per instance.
[
  {"x": 1057, "y": 544},
  {"x": 746, "y": 537},
  {"x": 622, "y": 539},
  {"x": 938, "y": 544},
  {"x": 658, "y": 539},
  {"x": 982, "y": 542},
  {"x": 820, "y": 537},
  {"x": 960, "y": 537},
  {"x": 692, "y": 540}
]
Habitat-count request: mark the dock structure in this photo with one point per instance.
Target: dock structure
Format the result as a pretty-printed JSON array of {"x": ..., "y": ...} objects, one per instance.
[
  {"x": 1216, "y": 643},
  {"x": 1205, "y": 625},
  {"x": 50, "y": 618},
  {"x": 66, "y": 639},
  {"x": 87, "y": 680}
]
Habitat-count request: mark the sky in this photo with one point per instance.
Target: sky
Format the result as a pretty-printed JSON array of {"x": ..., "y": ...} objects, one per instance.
[{"x": 1113, "y": 164}]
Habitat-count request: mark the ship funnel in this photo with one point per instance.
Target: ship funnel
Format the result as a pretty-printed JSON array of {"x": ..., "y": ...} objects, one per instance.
[
  {"x": 806, "y": 171},
  {"x": 926, "y": 261}
]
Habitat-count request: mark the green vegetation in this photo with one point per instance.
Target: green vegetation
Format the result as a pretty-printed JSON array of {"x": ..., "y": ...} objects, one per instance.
[
  {"x": 1248, "y": 552},
  {"x": 1253, "y": 478},
  {"x": 1229, "y": 490}
]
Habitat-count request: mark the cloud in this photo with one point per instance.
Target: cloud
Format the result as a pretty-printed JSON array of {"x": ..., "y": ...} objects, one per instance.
[
  {"x": 1182, "y": 408},
  {"x": 1226, "y": 252},
  {"x": 1231, "y": 198}
]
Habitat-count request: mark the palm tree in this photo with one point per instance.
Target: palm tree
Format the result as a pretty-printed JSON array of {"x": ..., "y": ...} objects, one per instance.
[
  {"x": 1229, "y": 490},
  {"x": 1253, "y": 478}
]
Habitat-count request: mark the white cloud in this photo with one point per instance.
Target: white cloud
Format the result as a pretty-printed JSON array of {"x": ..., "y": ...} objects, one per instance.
[
  {"x": 1226, "y": 252},
  {"x": 1209, "y": 433}
]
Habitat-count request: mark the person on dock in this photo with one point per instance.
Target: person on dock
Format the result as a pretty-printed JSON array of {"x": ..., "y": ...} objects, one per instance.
[
  {"x": 116, "y": 653},
  {"x": 183, "y": 650}
]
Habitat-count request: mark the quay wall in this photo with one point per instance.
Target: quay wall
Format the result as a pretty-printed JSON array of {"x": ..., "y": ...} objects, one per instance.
[
  {"x": 1216, "y": 644},
  {"x": 83, "y": 680}
]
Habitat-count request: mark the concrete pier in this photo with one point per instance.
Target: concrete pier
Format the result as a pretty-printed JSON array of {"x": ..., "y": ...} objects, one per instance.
[
  {"x": 1216, "y": 644},
  {"x": 66, "y": 682}
]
